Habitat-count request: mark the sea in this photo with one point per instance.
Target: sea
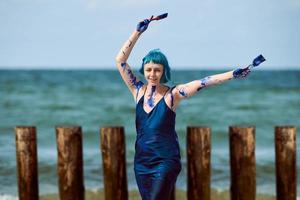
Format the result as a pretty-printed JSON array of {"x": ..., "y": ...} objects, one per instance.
[{"x": 99, "y": 98}]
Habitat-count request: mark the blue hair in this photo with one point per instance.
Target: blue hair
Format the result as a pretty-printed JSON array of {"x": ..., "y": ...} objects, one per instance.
[{"x": 157, "y": 57}]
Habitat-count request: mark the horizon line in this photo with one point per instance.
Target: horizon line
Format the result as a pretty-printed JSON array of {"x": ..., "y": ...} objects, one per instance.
[{"x": 136, "y": 68}]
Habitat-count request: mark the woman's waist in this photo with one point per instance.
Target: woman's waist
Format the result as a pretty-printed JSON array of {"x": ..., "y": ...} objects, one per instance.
[
  {"x": 156, "y": 130},
  {"x": 150, "y": 151},
  {"x": 156, "y": 144}
]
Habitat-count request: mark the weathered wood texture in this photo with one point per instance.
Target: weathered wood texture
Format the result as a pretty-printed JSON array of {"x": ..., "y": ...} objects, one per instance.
[
  {"x": 114, "y": 163},
  {"x": 70, "y": 163},
  {"x": 286, "y": 169},
  {"x": 27, "y": 165},
  {"x": 198, "y": 155},
  {"x": 242, "y": 162}
]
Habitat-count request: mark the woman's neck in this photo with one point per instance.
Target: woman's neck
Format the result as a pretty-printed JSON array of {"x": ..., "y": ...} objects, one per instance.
[
  {"x": 155, "y": 88},
  {"x": 152, "y": 90}
]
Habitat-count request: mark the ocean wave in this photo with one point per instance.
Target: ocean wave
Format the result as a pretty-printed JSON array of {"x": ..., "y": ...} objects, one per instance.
[{"x": 8, "y": 197}]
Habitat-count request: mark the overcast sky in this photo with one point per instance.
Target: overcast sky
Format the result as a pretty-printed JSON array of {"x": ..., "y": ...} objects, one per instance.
[{"x": 197, "y": 34}]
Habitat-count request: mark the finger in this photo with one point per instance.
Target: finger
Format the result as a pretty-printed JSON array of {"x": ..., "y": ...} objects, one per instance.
[{"x": 146, "y": 21}]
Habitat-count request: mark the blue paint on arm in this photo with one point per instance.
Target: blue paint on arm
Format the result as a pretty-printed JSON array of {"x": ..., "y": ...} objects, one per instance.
[
  {"x": 139, "y": 85},
  {"x": 123, "y": 65},
  {"x": 204, "y": 81},
  {"x": 183, "y": 93},
  {"x": 133, "y": 80}
]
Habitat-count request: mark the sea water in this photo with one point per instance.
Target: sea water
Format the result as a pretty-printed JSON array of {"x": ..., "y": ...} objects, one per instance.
[{"x": 94, "y": 99}]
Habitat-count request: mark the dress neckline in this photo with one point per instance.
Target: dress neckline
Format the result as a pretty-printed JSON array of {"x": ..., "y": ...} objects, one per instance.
[
  {"x": 162, "y": 99},
  {"x": 148, "y": 113}
]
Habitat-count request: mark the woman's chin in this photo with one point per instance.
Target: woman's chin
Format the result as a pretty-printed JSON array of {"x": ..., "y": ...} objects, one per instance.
[{"x": 150, "y": 82}]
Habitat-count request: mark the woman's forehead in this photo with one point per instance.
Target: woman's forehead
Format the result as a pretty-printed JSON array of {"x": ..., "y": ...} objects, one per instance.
[{"x": 153, "y": 65}]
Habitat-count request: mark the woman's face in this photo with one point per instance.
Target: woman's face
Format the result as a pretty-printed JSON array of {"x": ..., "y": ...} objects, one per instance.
[{"x": 153, "y": 73}]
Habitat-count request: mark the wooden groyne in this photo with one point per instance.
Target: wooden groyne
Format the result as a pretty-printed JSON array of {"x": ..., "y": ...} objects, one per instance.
[
  {"x": 286, "y": 165},
  {"x": 242, "y": 163},
  {"x": 198, "y": 162},
  {"x": 70, "y": 163},
  {"x": 112, "y": 140},
  {"x": 114, "y": 162},
  {"x": 27, "y": 164}
]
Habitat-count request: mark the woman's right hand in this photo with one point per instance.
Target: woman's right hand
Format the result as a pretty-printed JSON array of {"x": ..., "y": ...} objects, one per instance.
[{"x": 143, "y": 25}]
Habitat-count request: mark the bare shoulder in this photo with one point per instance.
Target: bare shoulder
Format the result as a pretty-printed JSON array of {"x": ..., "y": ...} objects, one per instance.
[{"x": 170, "y": 98}]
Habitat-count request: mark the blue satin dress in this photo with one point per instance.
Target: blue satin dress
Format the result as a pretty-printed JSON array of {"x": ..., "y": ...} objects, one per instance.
[{"x": 157, "y": 155}]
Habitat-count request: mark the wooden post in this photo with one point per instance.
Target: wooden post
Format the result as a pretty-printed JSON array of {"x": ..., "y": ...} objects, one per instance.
[
  {"x": 70, "y": 163},
  {"x": 26, "y": 152},
  {"x": 114, "y": 163},
  {"x": 242, "y": 161},
  {"x": 198, "y": 154},
  {"x": 285, "y": 150}
]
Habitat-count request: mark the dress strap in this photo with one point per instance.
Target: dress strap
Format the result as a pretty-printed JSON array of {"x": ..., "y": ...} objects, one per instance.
[
  {"x": 138, "y": 93},
  {"x": 172, "y": 97},
  {"x": 166, "y": 92}
]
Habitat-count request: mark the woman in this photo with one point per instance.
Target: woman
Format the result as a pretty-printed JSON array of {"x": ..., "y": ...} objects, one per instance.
[{"x": 157, "y": 157}]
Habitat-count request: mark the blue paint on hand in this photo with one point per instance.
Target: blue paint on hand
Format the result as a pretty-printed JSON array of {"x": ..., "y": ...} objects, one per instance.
[
  {"x": 143, "y": 25},
  {"x": 239, "y": 73}
]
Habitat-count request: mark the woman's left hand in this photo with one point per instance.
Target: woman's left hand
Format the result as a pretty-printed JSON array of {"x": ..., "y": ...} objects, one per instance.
[{"x": 241, "y": 72}]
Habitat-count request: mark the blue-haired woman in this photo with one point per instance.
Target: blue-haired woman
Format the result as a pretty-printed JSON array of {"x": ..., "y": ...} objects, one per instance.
[{"x": 157, "y": 155}]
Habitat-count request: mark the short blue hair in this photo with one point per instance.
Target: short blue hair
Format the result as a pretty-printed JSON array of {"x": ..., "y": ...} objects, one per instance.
[{"x": 157, "y": 57}]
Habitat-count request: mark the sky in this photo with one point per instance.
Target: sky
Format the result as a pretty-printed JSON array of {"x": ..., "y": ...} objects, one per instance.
[{"x": 205, "y": 34}]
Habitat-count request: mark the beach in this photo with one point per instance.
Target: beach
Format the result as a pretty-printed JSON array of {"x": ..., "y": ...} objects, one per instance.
[{"x": 180, "y": 195}]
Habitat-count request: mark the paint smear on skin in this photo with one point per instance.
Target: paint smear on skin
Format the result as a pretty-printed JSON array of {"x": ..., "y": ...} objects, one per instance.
[
  {"x": 151, "y": 100},
  {"x": 209, "y": 81},
  {"x": 239, "y": 73},
  {"x": 183, "y": 93},
  {"x": 205, "y": 80},
  {"x": 130, "y": 43},
  {"x": 133, "y": 80},
  {"x": 123, "y": 65}
]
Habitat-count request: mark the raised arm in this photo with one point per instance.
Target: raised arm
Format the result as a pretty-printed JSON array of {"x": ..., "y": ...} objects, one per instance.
[
  {"x": 184, "y": 91},
  {"x": 129, "y": 78}
]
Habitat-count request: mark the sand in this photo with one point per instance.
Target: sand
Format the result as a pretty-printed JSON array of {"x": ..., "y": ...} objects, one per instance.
[{"x": 134, "y": 195}]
